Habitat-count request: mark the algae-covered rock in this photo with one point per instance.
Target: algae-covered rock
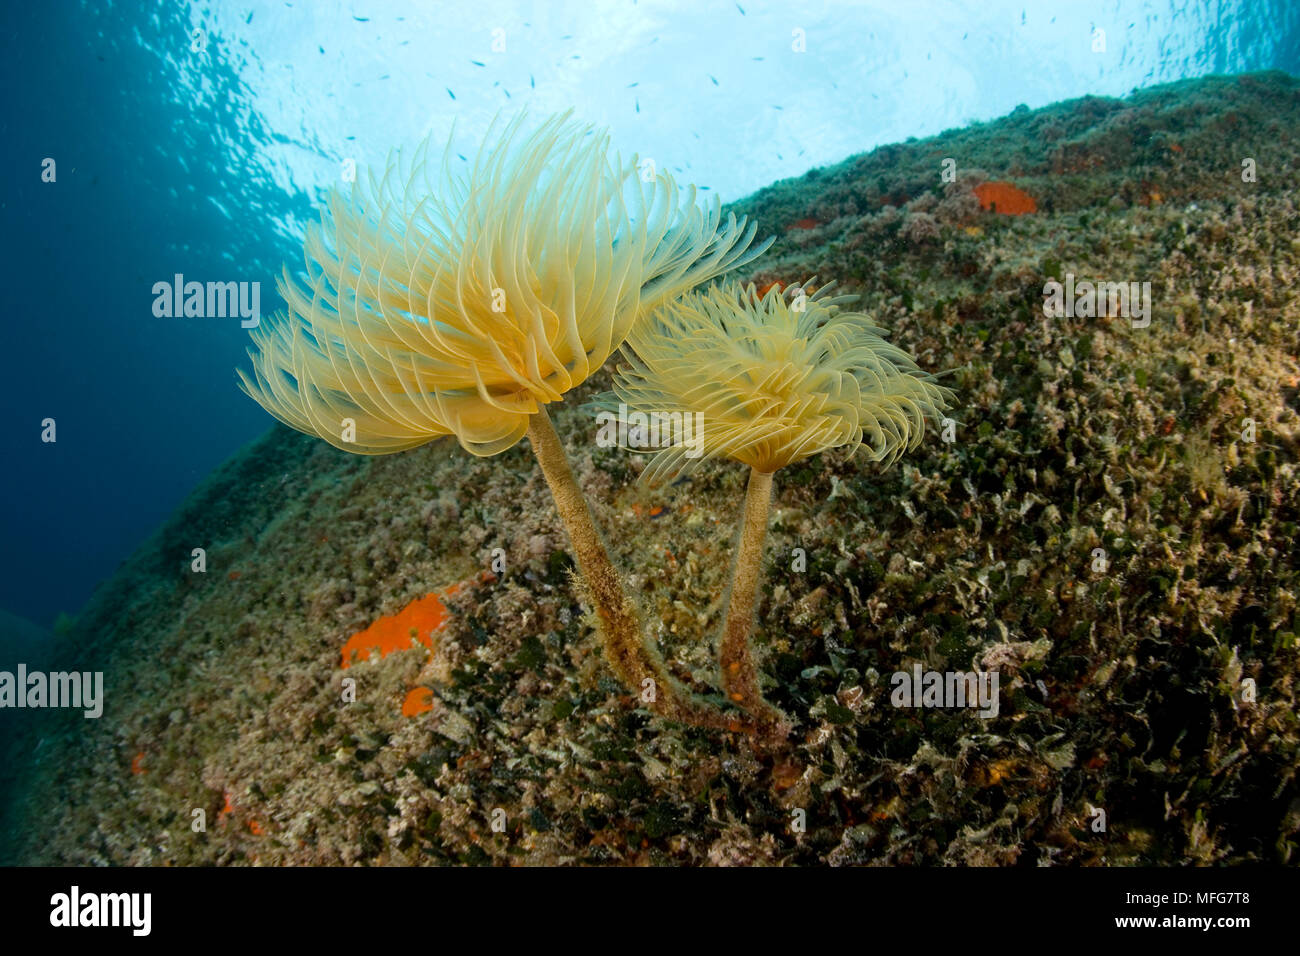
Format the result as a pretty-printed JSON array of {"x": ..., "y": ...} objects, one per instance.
[{"x": 1108, "y": 522}]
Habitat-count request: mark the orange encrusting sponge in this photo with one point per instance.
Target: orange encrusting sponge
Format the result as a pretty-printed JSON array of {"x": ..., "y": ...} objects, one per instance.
[
  {"x": 417, "y": 621},
  {"x": 419, "y": 700},
  {"x": 1005, "y": 199}
]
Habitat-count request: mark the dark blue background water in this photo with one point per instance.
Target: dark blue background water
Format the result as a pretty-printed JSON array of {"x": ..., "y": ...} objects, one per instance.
[
  {"x": 144, "y": 406},
  {"x": 162, "y": 168}
]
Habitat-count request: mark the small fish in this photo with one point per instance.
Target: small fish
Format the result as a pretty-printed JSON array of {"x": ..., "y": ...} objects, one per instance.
[
  {"x": 249, "y": 19},
  {"x": 450, "y": 93},
  {"x": 477, "y": 63},
  {"x": 360, "y": 19},
  {"x": 462, "y": 157},
  {"x": 630, "y": 85},
  {"x": 531, "y": 82},
  {"x": 638, "y": 106},
  {"x": 741, "y": 9},
  {"x": 713, "y": 78}
]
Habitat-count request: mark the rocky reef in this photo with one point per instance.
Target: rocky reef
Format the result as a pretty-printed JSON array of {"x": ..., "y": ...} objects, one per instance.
[{"x": 1109, "y": 524}]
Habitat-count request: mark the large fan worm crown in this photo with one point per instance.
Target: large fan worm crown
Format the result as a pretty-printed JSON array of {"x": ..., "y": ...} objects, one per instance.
[
  {"x": 774, "y": 379},
  {"x": 440, "y": 303}
]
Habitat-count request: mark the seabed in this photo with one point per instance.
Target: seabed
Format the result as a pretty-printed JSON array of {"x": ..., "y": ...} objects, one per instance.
[{"x": 1112, "y": 528}]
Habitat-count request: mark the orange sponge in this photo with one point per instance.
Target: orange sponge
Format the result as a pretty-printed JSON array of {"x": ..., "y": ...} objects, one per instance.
[
  {"x": 1004, "y": 198},
  {"x": 419, "y": 700},
  {"x": 417, "y": 621}
]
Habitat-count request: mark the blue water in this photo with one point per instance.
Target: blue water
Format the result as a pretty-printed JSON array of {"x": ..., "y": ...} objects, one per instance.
[{"x": 195, "y": 138}]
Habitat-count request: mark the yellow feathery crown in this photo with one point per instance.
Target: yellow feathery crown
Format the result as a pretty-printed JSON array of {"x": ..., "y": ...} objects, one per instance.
[
  {"x": 463, "y": 305},
  {"x": 773, "y": 379}
]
